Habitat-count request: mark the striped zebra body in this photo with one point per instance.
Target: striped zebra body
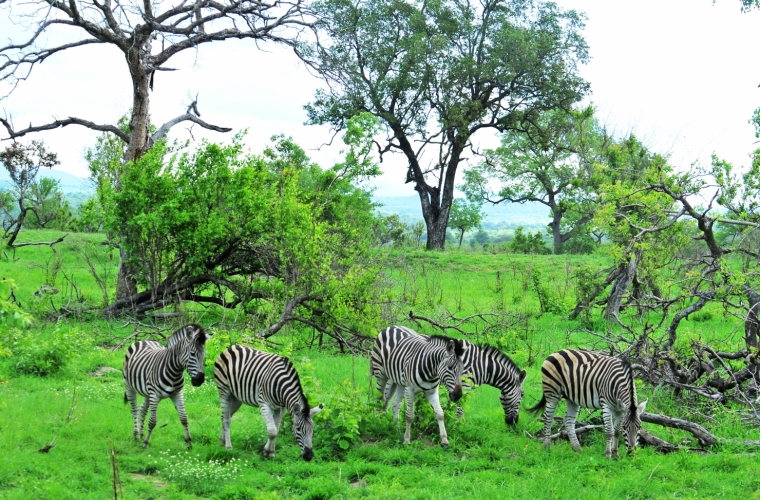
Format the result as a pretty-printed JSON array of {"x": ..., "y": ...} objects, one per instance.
[
  {"x": 270, "y": 382},
  {"x": 590, "y": 380},
  {"x": 488, "y": 365},
  {"x": 485, "y": 365},
  {"x": 407, "y": 363},
  {"x": 157, "y": 372}
]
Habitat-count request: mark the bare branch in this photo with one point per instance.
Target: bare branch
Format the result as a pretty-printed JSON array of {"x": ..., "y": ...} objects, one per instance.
[{"x": 13, "y": 134}]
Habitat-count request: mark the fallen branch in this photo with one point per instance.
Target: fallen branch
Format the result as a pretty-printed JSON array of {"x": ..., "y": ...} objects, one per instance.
[{"x": 703, "y": 435}]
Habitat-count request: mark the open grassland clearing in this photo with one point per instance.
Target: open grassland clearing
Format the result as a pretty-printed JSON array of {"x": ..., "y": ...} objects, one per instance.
[{"x": 49, "y": 395}]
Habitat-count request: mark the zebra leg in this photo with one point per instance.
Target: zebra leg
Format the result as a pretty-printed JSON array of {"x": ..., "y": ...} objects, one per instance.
[
  {"x": 154, "y": 400},
  {"x": 549, "y": 409},
  {"x": 397, "y": 401},
  {"x": 141, "y": 417},
  {"x": 388, "y": 393},
  {"x": 409, "y": 414},
  {"x": 179, "y": 403},
  {"x": 266, "y": 412},
  {"x": 229, "y": 406},
  {"x": 609, "y": 431},
  {"x": 570, "y": 416},
  {"x": 131, "y": 396},
  {"x": 278, "y": 414},
  {"x": 435, "y": 402}
]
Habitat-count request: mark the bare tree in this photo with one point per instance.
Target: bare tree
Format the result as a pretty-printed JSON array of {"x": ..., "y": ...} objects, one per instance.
[{"x": 148, "y": 34}]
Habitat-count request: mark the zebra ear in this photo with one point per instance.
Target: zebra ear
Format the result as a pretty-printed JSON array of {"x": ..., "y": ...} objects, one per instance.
[
  {"x": 642, "y": 406},
  {"x": 316, "y": 409},
  {"x": 523, "y": 373}
]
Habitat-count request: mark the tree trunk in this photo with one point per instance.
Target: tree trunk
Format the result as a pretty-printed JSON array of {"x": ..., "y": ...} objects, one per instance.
[
  {"x": 461, "y": 236},
  {"x": 139, "y": 126},
  {"x": 621, "y": 285},
  {"x": 752, "y": 324}
]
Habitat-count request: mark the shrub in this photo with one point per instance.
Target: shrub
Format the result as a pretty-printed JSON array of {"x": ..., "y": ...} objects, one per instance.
[{"x": 36, "y": 355}]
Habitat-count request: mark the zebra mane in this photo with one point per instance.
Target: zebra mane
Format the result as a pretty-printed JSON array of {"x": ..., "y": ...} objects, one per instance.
[
  {"x": 188, "y": 331},
  {"x": 443, "y": 339},
  {"x": 629, "y": 373},
  {"x": 305, "y": 409},
  {"x": 500, "y": 357}
]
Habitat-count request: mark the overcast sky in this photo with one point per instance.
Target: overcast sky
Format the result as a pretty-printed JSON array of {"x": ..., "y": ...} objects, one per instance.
[{"x": 682, "y": 74}]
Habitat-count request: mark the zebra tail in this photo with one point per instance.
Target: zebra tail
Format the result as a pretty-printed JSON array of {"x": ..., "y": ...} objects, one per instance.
[
  {"x": 540, "y": 406},
  {"x": 126, "y": 400}
]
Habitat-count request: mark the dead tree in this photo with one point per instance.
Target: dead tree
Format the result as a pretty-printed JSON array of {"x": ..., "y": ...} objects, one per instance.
[{"x": 148, "y": 35}]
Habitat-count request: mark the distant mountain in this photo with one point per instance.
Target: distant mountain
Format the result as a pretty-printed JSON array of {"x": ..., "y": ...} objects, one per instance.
[
  {"x": 503, "y": 215},
  {"x": 68, "y": 182}
]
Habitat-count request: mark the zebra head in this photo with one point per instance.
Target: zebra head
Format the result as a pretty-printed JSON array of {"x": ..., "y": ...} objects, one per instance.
[
  {"x": 451, "y": 367},
  {"x": 510, "y": 398},
  {"x": 303, "y": 427},
  {"x": 631, "y": 423},
  {"x": 195, "y": 340}
]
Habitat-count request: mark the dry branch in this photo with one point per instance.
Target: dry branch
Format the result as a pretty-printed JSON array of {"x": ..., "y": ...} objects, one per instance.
[{"x": 703, "y": 436}]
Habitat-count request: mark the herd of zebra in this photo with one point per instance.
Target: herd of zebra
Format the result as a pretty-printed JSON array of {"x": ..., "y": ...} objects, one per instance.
[{"x": 403, "y": 362}]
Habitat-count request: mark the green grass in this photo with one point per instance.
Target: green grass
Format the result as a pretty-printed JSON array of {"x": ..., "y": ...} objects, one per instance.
[{"x": 87, "y": 417}]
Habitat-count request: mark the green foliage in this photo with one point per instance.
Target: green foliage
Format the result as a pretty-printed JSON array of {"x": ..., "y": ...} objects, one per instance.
[
  {"x": 42, "y": 355},
  {"x": 390, "y": 229},
  {"x": 11, "y": 315},
  {"x": 435, "y": 73},
  {"x": 547, "y": 298},
  {"x": 528, "y": 243},
  {"x": 464, "y": 216},
  {"x": 269, "y": 228}
]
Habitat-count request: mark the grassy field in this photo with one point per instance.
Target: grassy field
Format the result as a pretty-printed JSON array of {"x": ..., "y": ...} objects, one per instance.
[{"x": 86, "y": 417}]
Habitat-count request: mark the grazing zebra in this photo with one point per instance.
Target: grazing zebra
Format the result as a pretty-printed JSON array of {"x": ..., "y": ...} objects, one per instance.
[
  {"x": 413, "y": 364},
  {"x": 156, "y": 372},
  {"x": 487, "y": 365},
  {"x": 590, "y": 380},
  {"x": 269, "y": 381}
]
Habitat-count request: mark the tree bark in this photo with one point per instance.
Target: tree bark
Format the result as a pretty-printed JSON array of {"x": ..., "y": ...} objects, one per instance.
[
  {"x": 621, "y": 285},
  {"x": 139, "y": 125}
]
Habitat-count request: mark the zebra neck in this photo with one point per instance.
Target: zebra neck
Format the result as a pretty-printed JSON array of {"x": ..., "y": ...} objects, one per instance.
[{"x": 177, "y": 356}]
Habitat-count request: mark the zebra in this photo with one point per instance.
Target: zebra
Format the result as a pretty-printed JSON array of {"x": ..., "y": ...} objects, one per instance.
[
  {"x": 413, "y": 364},
  {"x": 590, "y": 380},
  {"x": 269, "y": 381},
  {"x": 156, "y": 372},
  {"x": 488, "y": 365}
]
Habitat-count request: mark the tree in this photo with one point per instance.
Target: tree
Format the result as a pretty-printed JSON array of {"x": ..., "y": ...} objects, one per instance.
[
  {"x": 464, "y": 217},
  {"x": 549, "y": 163},
  {"x": 22, "y": 163},
  {"x": 436, "y": 73},
  {"x": 51, "y": 209},
  {"x": 271, "y": 234},
  {"x": 528, "y": 243},
  {"x": 390, "y": 229},
  {"x": 135, "y": 29}
]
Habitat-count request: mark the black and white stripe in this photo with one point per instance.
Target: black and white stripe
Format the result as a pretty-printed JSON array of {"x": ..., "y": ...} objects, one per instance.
[
  {"x": 157, "y": 372},
  {"x": 269, "y": 381},
  {"x": 590, "y": 380},
  {"x": 487, "y": 365},
  {"x": 408, "y": 363}
]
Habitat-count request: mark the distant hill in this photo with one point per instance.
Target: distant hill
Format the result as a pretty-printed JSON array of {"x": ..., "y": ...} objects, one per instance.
[
  {"x": 503, "y": 215},
  {"x": 75, "y": 189}
]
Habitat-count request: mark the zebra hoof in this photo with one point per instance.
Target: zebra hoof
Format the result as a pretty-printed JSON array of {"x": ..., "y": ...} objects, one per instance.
[
  {"x": 145, "y": 445},
  {"x": 445, "y": 446}
]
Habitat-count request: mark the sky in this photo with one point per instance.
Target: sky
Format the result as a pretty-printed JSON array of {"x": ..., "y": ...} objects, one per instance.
[{"x": 682, "y": 75}]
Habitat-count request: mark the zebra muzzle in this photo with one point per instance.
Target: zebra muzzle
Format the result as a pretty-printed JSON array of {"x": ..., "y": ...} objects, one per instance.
[
  {"x": 198, "y": 379},
  {"x": 456, "y": 394},
  {"x": 307, "y": 454}
]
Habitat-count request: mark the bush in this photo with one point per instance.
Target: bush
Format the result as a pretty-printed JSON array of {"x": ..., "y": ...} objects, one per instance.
[{"x": 35, "y": 355}]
